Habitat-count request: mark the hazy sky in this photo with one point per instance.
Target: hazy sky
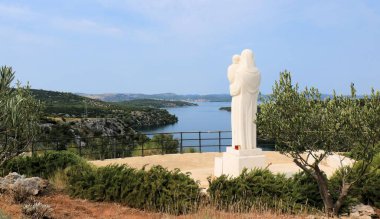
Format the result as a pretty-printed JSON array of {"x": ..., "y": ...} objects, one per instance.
[{"x": 185, "y": 46}]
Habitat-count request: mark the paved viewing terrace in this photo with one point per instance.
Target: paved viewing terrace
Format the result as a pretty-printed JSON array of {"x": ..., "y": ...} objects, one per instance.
[{"x": 201, "y": 165}]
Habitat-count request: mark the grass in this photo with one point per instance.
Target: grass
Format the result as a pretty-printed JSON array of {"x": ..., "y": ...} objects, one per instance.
[
  {"x": 59, "y": 180},
  {"x": 3, "y": 215}
]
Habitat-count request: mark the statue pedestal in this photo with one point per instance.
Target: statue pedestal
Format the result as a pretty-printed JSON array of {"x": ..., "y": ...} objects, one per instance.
[{"x": 234, "y": 161}]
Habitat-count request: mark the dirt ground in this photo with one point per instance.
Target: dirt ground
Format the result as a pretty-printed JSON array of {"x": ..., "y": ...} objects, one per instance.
[{"x": 65, "y": 207}]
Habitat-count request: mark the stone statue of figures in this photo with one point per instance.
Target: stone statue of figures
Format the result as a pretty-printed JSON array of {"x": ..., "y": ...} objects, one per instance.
[{"x": 244, "y": 80}]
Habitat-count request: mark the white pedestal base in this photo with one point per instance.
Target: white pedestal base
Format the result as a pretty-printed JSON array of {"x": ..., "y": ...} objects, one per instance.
[{"x": 234, "y": 161}]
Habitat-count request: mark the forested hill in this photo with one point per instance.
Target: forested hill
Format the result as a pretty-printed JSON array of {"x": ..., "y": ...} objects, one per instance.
[
  {"x": 68, "y": 105},
  {"x": 65, "y": 98},
  {"x": 63, "y": 103}
]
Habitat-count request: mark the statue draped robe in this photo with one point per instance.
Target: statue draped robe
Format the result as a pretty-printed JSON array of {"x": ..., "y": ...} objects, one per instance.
[{"x": 244, "y": 89}]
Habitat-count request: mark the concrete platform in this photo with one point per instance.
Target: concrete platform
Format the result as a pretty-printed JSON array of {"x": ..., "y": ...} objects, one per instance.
[
  {"x": 233, "y": 162},
  {"x": 201, "y": 165}
]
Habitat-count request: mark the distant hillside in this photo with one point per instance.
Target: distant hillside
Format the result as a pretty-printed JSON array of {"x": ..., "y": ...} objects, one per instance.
[
  {"x": 63, "y": 103},
  {"x": 164, "y": 96},
  {"x": 156, "y": 103},
  {"x": 120, "y": 97},
  {"x": 68, "y": 105}
]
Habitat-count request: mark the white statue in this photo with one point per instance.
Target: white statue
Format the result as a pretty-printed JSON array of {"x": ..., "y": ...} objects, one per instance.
[{"x": 244, "y": 80}]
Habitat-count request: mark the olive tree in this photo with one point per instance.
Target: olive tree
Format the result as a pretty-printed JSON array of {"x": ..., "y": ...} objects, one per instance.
[
  {"x": 308, "y": 128},
  {"x": 19, "y": 116}
]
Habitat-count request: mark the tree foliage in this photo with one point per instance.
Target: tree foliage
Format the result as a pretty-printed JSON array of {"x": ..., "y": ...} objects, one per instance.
[
  {"x": 308, "y": 128},
  {"x": 19, "y": 116}
]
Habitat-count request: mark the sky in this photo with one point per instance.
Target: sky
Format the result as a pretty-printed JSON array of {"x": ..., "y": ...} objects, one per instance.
[{"x": 185, "y": 46}]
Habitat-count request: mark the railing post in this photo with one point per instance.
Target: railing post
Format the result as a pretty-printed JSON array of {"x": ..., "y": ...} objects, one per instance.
[
  {"x": 56, "y": 145},
  {"x": 162, "y": 147},
  {"x": 219, "y": 143},
  {"x": 142, "y": 149},
  {"x": 181, "y": 145},
  {"x": 200, "y": 142},
  {"x": 133, "y": 146}
]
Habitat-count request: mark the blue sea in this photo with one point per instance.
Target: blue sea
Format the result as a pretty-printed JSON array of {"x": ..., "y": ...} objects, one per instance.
[{"x": 205, "y": 118}]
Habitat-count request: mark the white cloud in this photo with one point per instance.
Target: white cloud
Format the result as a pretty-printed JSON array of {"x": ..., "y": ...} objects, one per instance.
[
  {"x": 16, "y": 12},
  {"x": 206, "y": 22},
  {"x": 21, "y": 14},
  {"x": 195, "y": 17},
  {"x": 208, "y": 19},
  {"x": 26, "y": 38}
]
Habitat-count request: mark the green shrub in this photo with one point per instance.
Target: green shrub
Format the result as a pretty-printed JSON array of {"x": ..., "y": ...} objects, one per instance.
[
  {"x": 261, "y": 189},
  {"x": 36, "y": 210},
  {"x": 366, "y": 190},
  {"x": 370, "y": 187},
  {"x": 256, "y": 187},
  {"x": 44, "y": 165},
  {"x": 156, "y": 189},
  {"x": 335, "y": 186},
  {"x": 161, "y": 144},
  {"x": 305, "y": 190}
]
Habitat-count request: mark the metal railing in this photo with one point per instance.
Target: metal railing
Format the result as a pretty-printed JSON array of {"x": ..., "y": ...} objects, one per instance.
[{"x": 141, "y": 144}]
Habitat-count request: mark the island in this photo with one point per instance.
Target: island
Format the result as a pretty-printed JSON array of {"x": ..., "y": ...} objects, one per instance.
[{"x": 225, "y": 108}]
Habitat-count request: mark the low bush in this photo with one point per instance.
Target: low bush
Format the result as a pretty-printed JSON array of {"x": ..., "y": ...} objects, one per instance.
[
  {"x": 37, "y": 210},
  {"x": 20, "y": 194},
  {"x": 44, "y": 165},
  {"x": 244, "y": 192},
  {"x": 366, "y": 191},
  {"x": 304, "y": 190},
  {"x": 260, "y": 189},
  {"x": 159, "y": 144},
  {"x": 156, "y": 189},
  {"x": 370, "y": 187}
]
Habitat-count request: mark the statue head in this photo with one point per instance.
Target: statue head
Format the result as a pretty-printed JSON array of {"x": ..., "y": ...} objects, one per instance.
[
  {"x": 235, "y": 59},
  {"x": 247, "y": 60}
]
